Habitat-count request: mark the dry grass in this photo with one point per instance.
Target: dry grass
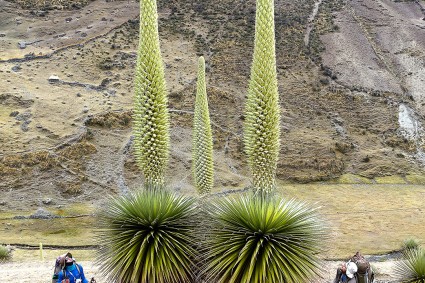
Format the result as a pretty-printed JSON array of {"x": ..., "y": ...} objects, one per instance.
[{"x": 373, "y": 219}]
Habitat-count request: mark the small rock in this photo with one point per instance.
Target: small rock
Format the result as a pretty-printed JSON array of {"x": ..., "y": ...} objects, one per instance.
[
  {"x": 3, "y": 202},
  {"x": 47, "y": 201},
  {"x": 104, "y": 19},
  {"x": 53, "y": 79},
  {"x": 16, "y": 68},
  {"x": 83, "y": 34},
  {"x": 23, "y": 116},
  {"x": 24, "y": 125},
  {"x": 2, "y": 34},
  {"x": 89, "y": 27},
  {"x": 42, "y": 214},
  {"x": 67, "y": 20},
  {"x": 14, "y": 113},
  {"x": 22, "y": 44},
  {"x": 78, "y": 94}
]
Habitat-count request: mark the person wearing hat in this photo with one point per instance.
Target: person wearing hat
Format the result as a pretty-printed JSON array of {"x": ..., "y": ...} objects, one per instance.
[
  {"x": 346, "y": 273},
  {"x": 72, "y": 272}
]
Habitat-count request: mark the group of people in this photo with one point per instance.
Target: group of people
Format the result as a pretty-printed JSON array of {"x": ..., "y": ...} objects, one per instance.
[
  {"x": 67, "y": 270},
  {"x": 346, "y": 273},
  {"x": 356, "y": 270}
]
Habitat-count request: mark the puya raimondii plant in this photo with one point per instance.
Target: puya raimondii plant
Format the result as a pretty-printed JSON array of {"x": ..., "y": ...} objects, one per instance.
[
  {"x": 261, "y": 240},
  {"x": 147, "y": 237},
  {"x": 151, "y": 117},
  {"x": 262, "y": 121},
  {"x": 202, "y": 161},
  {"x": 411, "y": 267}
]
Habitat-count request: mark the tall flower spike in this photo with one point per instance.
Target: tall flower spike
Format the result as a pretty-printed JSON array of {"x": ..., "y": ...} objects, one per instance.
[
  {"x": 151, "y": 118},
  {"x": 262, "y": 129},
  {"x": 202, "y": 163}
]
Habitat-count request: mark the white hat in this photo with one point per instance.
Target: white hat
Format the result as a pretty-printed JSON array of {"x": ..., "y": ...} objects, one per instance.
[{"x": 351, "y": 269}]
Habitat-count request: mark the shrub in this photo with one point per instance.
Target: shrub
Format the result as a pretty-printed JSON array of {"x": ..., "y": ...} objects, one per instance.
[
  {"x": 147, "y": 237},
  {"x": 410, "y": 244},
  {"x": 5, "y": 253},
  {"x": 260, "y": 240},
  {"x": 412, "y": 267}
]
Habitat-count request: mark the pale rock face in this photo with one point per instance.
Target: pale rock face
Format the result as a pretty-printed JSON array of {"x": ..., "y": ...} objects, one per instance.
[{"x": 410, "y": 127}]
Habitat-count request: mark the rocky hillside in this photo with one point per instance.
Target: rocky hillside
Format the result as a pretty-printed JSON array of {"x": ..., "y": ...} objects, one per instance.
[{"x": 351, "y": 77}]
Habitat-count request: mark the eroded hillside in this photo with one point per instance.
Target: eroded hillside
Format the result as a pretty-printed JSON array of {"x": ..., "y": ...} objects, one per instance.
[{"x": 351, "y": 78}]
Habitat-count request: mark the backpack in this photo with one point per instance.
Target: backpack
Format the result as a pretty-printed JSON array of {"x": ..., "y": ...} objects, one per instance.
[
  {"x": 60, "y": 265},
  {"x": 364, "y": 271}
]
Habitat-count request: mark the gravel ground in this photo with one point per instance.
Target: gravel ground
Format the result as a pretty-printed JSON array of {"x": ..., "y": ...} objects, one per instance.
[{"x": 41, "y": 271}]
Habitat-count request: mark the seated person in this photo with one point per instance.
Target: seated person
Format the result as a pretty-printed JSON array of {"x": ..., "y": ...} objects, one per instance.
[
  {"x": 346, "y": 273},
  {"x": 72, "y": 272}
]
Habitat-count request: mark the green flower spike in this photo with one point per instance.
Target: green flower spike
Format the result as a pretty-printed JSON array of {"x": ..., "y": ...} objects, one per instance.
[
  {"x": 261, "y": 129},
  {"x": 151, "y": 118},
  {"x": 203, "y": 165}
]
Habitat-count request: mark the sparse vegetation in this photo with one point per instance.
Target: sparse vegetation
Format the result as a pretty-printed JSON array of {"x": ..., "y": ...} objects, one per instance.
[
  {"x": 52, "y": 4},
  {"x": 5, "y": 253},
  {"x": 410, "y": 244}
]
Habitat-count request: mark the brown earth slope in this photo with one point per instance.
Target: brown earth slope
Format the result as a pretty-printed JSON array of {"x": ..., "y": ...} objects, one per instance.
[{"x": 351, "y": 80}]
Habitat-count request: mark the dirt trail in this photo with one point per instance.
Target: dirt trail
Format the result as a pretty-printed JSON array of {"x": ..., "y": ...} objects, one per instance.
[{"x": 41, "y": 271}]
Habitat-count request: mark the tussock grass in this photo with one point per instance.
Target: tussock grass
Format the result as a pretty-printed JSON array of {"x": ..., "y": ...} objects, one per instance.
[{"x": 5, "y": 253}]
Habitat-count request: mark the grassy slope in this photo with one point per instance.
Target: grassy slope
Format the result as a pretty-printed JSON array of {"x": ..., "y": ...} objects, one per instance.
[{"x": 371, "y": 218}]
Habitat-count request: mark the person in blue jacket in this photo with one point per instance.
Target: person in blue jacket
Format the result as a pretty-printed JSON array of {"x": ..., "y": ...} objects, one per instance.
[{"x": 73, "y": 272}]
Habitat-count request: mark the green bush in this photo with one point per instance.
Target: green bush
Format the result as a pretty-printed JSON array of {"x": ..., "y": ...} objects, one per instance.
[
  {"x": 411, "y": 269},
  {"x": 148, "y": 237},
  {"x": 410, "y": 244},
  {"x": 260, "y": 240},
  {"x": 5, "y": 253}
]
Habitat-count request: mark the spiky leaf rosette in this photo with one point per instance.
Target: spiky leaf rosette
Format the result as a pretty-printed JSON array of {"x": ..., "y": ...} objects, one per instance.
[
  {"x": 147, "y": 237},
  {"x": 261, "y": 129},
  {"x": 203, "y": 166},
  {"x": 411, "y": 269},
  {"x": 259, "y": 240},
  {"x": 151, "y": 118}
]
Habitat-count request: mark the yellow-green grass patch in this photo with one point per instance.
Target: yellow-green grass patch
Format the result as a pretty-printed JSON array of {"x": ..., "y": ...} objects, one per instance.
[
  {"x": 373, "y": 219},
  {"x": 57, "y": 231},
  {"x": 390, "y": 180},
  {"x": 352, "y": 179},
  {"x": 416, "y": 179}
]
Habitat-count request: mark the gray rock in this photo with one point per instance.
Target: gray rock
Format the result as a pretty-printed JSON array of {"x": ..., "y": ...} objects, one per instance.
[
  {"x": 53, "y": 79},
  {"x": 42, "y": 214},
  {"x": 22, "y": 44},
  {"x": 14, "y": 113},
  {"x": 47, "y": 201},
  {"x": 24, "y": 125},
  {"x": 16, "y": 68}
]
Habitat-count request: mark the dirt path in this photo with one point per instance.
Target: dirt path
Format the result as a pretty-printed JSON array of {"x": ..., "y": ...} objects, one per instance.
[{"x": 41, "y": 271}]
